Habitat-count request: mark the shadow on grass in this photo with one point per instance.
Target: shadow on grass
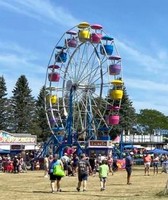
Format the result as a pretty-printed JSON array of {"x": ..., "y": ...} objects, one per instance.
[
  {"x": 119, "y": 184},
  {"x": 98, "y": 194},
  {"x": 87, "y": 194},
  {"x": 54, "y": 192},
  {"x": 44, "y": 192}
]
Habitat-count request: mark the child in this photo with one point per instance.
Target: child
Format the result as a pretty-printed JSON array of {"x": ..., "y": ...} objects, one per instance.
[{"x": 103, "y": 173}]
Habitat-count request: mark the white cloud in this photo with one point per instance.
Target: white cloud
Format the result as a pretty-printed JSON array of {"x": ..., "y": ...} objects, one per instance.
[
  {"x": 146, "y": 85},
  {"x": 16, "y": 61},
  {"x": 14, "y": 57},
  {"x": 146, "y": 81},
  {"x": 149, "y": 63},
  {"x": 147, "y": 94},
  {"x": 17, "y": 49},
  {"x": 41, "y": 10}
]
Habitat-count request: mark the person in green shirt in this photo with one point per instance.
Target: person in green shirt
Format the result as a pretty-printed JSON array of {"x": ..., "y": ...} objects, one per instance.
[{"x": 103, "y": 173}]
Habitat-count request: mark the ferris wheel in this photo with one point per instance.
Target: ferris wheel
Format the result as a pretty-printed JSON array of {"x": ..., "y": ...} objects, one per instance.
[{"x": 84, "y": 85}]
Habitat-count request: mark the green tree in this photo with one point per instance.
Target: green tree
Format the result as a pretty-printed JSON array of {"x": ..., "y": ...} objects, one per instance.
[
  {"x": 127, "y": 113},
  {"x": 3, "y": 104},
  {"x": 150, "y": 119},
  {"x": 23, "y": 110},
  {"x": 44, "y": 131}
]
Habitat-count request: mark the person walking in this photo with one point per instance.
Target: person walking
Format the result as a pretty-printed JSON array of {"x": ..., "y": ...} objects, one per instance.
[
  {"x": 16, "y": 164},
  {"x": 110, "y": 163},
  {"x": 155, "y": 163},
  {"x": 128, "y": 166},
  {"x": 55, "y": 179},
  {"x": 65, "y": 159},
  {"x": 82, "y": 169},
  {"x": 92, "y": 161},
  {"x": 46, "y": 166},
  {"x": 147, "y": 163},
  {"x": 75, "y": 160},
  {"x": 103, "y": 173}
]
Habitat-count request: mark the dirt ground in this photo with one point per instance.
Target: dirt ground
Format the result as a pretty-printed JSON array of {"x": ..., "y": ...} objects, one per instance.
[{"x": 33, "y": 186}]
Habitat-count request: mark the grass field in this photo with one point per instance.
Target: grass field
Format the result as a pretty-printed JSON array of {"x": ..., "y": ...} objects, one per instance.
[{"x": 33, "y": 186}]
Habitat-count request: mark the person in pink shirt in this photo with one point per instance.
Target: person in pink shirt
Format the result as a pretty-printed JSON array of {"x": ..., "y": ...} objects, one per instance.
[{"x": 147, "y": 163}]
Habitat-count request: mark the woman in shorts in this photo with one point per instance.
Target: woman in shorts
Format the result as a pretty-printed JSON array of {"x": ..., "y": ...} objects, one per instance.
[
  {"x": 147, "y": 163},
  {"x": 54, "y": 178},
  {"x": 155, "y": 163}
]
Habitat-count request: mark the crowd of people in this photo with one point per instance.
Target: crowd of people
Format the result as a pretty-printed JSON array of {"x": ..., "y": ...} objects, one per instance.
[
  {"x": 70, "y": 163},
  {"x": 155, "y": 161},
  {"x": 18, "y": 163},
  {"x": 81, "y": 166},
  {"x": 84, "y": 166}
]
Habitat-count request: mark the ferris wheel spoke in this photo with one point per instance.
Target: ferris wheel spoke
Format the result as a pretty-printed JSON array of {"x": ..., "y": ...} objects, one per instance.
[
  {"x": 85, "y": 58},
  {"x": 101, "y": 114},
  {"x": 94, "y": 108}
]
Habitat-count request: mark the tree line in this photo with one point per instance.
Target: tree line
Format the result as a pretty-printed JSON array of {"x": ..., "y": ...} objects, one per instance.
[{"x": 22, "y": 113}]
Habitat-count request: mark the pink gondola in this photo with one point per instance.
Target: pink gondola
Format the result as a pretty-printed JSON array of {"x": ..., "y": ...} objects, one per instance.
[
  {"x": 54, "y": 77},
  {"x": 72, "y": 42},
  {"x": 113, "y": 119},
  {"x": 96, "y": 37}
]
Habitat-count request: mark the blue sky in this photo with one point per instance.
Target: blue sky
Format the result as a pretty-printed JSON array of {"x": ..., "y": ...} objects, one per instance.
[{"x": 29, "y": 30}]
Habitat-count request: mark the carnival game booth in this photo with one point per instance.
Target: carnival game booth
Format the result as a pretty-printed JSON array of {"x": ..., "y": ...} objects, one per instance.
[
  {"x": 15, "y": 143},
  {"x": 103, "y": 147}
]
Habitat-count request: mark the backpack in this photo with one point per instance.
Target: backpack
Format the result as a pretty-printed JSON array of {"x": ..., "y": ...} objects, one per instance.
[{"x": 58, "y": 170}]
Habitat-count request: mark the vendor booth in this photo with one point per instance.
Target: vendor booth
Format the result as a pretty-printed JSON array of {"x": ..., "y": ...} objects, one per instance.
[{"x": 16, "y": 142}]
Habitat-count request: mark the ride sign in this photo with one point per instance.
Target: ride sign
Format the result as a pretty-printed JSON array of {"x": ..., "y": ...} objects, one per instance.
[{"x": 100, "y": 143}]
